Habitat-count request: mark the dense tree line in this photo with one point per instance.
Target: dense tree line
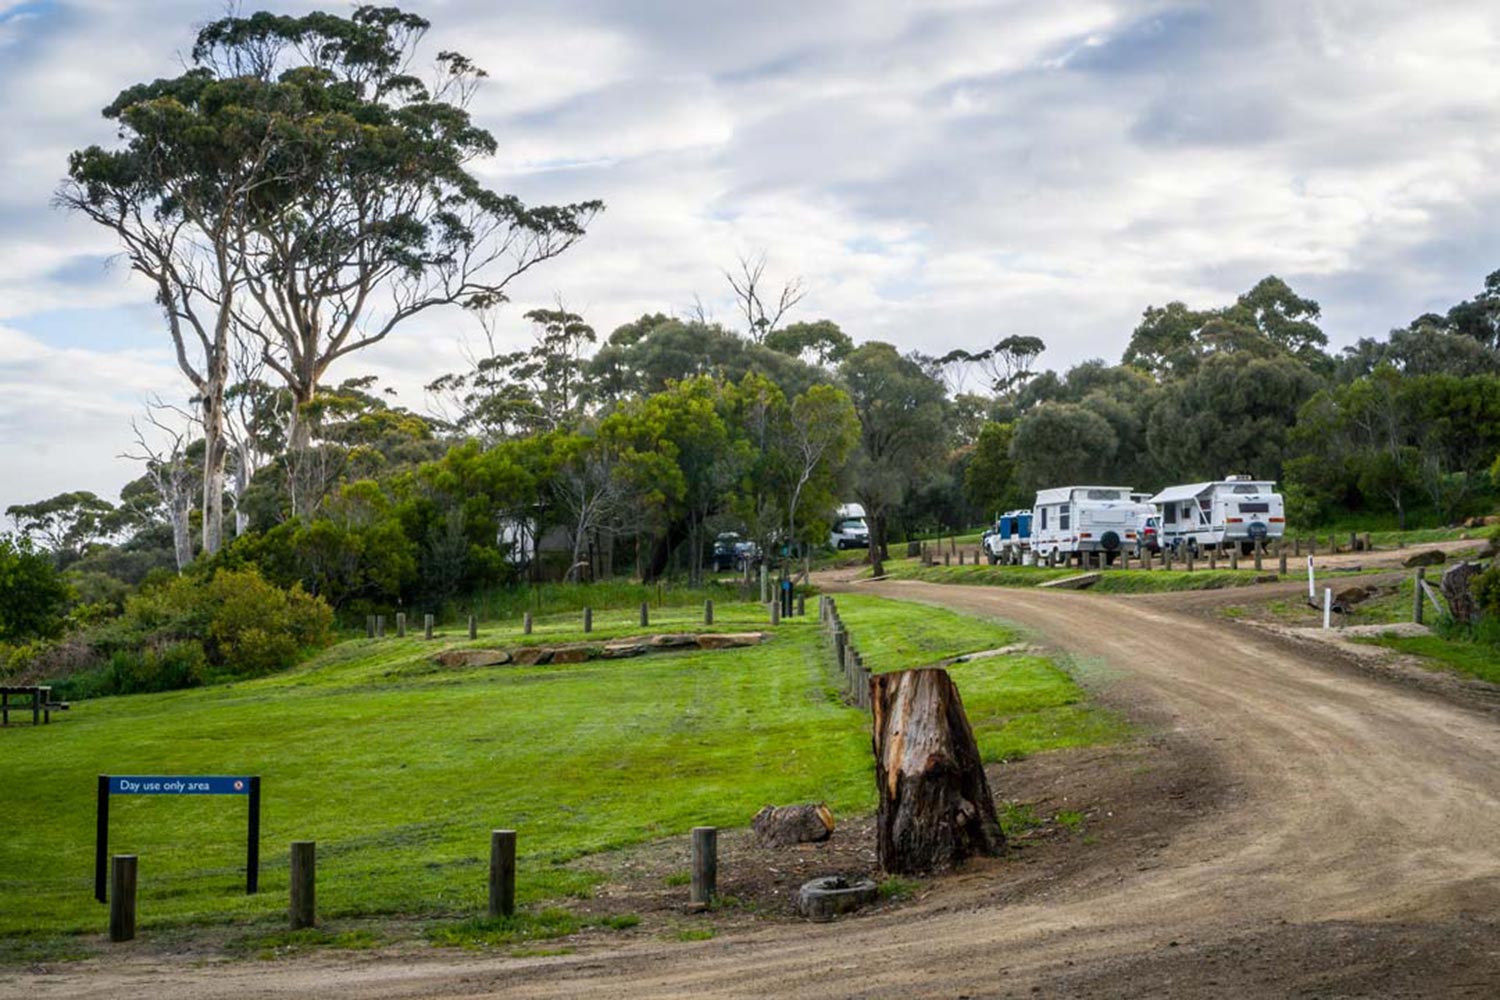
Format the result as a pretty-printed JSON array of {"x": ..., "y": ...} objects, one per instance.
[{"x": 297, "y": 195}]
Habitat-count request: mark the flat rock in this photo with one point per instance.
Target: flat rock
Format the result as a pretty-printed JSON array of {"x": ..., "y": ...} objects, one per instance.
[
  {"x": 729, "y": 640},
  {"x": 472, "y": 657},
  {"x": 673, "y": 640},
  {"x": 532, "y": 656},
  {"x": 1080, "y": 582},
  {"x": 571, "y": 654},
  {"x": 1432, "y": 557},
  {"x": 621, "y": 649}
]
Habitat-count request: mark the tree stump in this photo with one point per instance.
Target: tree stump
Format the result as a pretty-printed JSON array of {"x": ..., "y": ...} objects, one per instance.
[
  {"x": 935, "y": 804},
  {"x": 782, "y": 826}
]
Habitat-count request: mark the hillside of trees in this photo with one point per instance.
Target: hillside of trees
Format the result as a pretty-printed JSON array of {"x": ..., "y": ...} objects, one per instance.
[{"x": 291, "y": 210}]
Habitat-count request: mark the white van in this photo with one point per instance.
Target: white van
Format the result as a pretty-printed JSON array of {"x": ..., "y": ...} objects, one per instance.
[
  {"x": 1084, "y": 519},
  {"x": 1235, "y": 511},
  {"x": 850, "y": 530}
]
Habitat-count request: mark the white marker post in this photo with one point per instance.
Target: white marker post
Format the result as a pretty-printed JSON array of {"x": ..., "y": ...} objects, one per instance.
[
  {"x": 1327, "y": 607},
  {"x": 1312, "y": 592}
]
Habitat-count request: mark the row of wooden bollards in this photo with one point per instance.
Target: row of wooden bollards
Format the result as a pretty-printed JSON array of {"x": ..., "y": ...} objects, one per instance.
[
  {"x": 302, "y": 909},
  {"x": 851, "y": 665}
]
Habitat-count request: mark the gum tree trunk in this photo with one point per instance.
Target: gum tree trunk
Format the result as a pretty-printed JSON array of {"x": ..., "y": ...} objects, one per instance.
[{"x": 935, "y": 803}]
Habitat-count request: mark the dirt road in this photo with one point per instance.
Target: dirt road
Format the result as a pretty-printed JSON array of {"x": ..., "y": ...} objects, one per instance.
[{"x": 1352, "y": 852}]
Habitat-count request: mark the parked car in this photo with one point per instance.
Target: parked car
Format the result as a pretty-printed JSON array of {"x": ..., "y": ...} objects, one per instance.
[
  {"x": 1010, "y": 539},
  {"x": 726, "y": 556}
]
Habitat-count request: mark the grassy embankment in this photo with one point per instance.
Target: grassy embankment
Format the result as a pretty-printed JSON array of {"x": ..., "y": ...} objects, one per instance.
[{"x": 399, "y": 768}]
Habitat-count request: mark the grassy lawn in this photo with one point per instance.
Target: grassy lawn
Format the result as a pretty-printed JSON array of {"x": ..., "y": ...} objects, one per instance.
[
  {"x": 398, "y": 768},
  {"x": 1113, "y": 581}
]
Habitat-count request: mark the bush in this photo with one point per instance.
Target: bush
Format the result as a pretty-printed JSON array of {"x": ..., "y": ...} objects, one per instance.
[
  {"x": 1486, "y": 590},
  {"x": 255, "y": 628},
  {"x": 33, "y": 596}
]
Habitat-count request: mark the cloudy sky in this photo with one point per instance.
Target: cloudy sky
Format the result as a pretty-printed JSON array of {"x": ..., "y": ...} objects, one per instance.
[{"x": 941, "y": 174}]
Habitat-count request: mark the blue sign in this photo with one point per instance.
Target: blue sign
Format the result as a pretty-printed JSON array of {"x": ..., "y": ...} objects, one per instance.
[{"x": 178, "y": 784}]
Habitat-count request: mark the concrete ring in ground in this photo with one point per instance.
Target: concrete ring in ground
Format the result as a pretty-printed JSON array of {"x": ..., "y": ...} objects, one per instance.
[{"x": 823, "y": 899}]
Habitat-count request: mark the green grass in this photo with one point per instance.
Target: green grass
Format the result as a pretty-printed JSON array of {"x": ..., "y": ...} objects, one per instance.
[
  {"x": 897, "y": 888},
  {"x": 1112, "y": 581},
  {"x": 398, "y": 769},
  {"x": 1475, "y": 659}
]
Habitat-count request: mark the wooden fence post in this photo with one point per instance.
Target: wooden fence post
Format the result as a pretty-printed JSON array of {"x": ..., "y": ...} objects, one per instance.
[
  {"x": 400, "y": 624},
  {"x": 380, "y": 626},
  {"x": 705, "y": 858},
  {"x": 708, "y": 611},
  {"x": 1297, "y": 547},
  {"x": 1281, "y": 561},
  {"x": 502, "y": 873},
  {"x": 1416, "y": 607},
  {"x": 122, "y": 871},
  {"x": 427, "y": 622},
  {"x": 1259, "y": 549},
  {"x": 369, "y": 626},
  {"x": 1189, "y": 560},
  {"x": 645, "y": 614},
  {"x": 776, "y": 612},
  {"x": 527, "y": 623},
  {"x": 473, "y": 627},
  {"x": 304, "y": 908},
  {"x": 1213, "y": 559},
  {"x": 801, "y": 605},
  {"x": 588, "y": 619},
  {"x": 1234, "y": 557}
]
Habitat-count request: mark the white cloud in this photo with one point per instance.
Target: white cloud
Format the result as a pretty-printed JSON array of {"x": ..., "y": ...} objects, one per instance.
[{"x": 941, "y": 174}]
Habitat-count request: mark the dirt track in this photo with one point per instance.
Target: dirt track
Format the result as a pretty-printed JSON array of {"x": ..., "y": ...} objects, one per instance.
[{"x": 1352, "y": 852}]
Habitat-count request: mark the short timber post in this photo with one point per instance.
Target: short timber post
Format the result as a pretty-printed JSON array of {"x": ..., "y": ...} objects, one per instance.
[
  {"x": 1234, "y": 557},
  {"x": 304, "y": 906},
  {"x": 947, "y": 558},
  {"x": 708, "y": 611},
  {"x": 1297, "y": 546},
  {"x": 1213, "y": 559},
  {"x": 502, "y": 873},
  {"x": 1281, "y": 561},
  {"x": 369, "y": 626},
  {"x": 801, "y": 605},
  {"x": 527, "y": 623},
  {"x": 775, "y": 612},
  {"x": 380, "y": 626},
  {"x": 1416, "y": 597},
  {"x": 1189, "y": 560},
  {"x": 1259, "y": 549},
  {"x": 473, "y": 627},
  {"x": 705, "y": 865},
  {"x": 645, "y": 614},
  {"x": 1365, "y": 540},
  {"x": 1166, "y": 559},
  {"x": 400, "y": 624},
  {"x": 588, "y": 619},
  {"x": 1353, "y": 541},
  {"x": 122, "y": 870},
  {"x": 427, "y": 623}
]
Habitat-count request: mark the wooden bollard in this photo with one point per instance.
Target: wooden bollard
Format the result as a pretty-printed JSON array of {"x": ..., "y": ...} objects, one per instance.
[
  {"x": 369, "y": 626},
  {"x": 1416, "y": 607},
  {"x": 1166, "y": 559},
  {"x": 1297, "y": 547},
  {"x": 1281, "y": 562},
  {"x": 527, "y": 623},
  {"x": 708, "y": 611},
  {"x": 400, "y": 624},
  {"x": 705, "y": 859},
  {"x": 427, "y": 623},
  {"x": 1189, "y": 561},
  {"x": 1365, "y": 540},
  {"x": 473, "y": 627},
  {"x": 775, "y": 612},
  {"x": 1259, "y": 550},
  {"x": 1124, "y": 559},
  {"x": 304, "y": 903},
  {"x": 1234, "y": 557},
  {"x": 122, "y": 870},
  {"x": 947, "y": 559},
  {"x": 588, "y": 619},
  {"x": 502, "y": 873},
  {"x": 801, "y": 605},
  {"x": 1213, "y": 559},
  {"x": 1333, "y": 545},
  {"x": 960, "y": 557},
  {"x": 380, "y": 626},
  {"x": 645, "y": 614},
  {"x": 1353, "y": 541}
]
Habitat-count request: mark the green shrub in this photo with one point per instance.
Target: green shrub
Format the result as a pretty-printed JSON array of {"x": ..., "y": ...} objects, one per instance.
[
  {"x": 1486, "y": 590},
  {"x": 255, "y": 627},
  {"x": 33, "y": 596}
]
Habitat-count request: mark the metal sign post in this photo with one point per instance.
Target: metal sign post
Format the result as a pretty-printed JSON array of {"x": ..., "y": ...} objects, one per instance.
[{"x": 176, "y": 784}]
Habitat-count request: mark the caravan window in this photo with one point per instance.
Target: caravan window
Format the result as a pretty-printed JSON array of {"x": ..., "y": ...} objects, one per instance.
[
  {"x": 1169, "y": 513},
  {"x": 1102, "y": 495},
  {"x": 1255, "y": 508},
  {"x": 1247, "y": 488},
  {"x": 1064, "y": 515},
  {"x": 1044, "y": 518}
]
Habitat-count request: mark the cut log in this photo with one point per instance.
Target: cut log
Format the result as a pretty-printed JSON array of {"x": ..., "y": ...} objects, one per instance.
[
  {"x": 935, "y": 803},
  {"x": 782, "y": 826}
]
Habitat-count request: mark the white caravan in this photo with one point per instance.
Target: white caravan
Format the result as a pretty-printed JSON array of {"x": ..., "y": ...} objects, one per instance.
[
  {"x": 1084, "y": 520},
  {"x": 850, "y": 529},
  {"x": 1235, "y": 511}
]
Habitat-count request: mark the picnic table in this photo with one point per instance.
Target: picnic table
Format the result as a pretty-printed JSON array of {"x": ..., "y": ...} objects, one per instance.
[{"x": 38, "y": 700}]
